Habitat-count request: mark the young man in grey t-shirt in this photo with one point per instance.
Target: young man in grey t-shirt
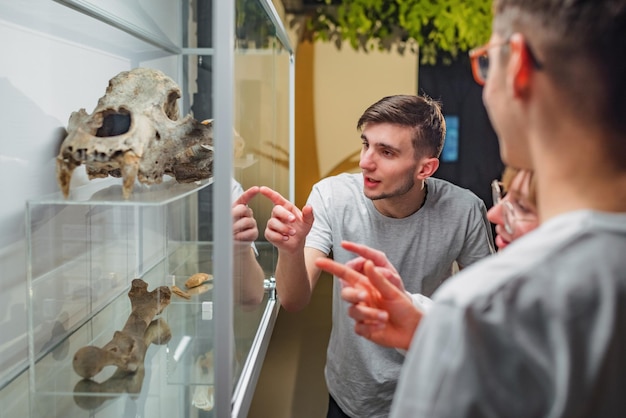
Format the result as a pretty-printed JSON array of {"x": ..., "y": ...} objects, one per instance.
[
  {"x": 423, "y": 224},
  {"x": 538, "y": 330}
]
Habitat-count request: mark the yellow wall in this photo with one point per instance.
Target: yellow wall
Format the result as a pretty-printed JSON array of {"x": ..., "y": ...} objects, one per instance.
[{"x": 333, "y": 88}]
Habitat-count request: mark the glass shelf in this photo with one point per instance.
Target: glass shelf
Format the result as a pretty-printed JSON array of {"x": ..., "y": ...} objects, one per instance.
[
  {"x": 181, "y": 368},
  {"x": 108, "y": 191}
]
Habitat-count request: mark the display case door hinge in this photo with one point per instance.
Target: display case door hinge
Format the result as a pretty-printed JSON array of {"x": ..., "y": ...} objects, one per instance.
[{"x": 270, "y": 286}]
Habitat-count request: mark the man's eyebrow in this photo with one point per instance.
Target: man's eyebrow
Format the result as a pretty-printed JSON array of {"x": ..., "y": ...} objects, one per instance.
[{"x": 380, "y": 145}]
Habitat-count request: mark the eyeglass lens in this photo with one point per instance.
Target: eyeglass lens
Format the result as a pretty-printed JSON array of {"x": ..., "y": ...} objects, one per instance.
[
  {"x": 483, "y": 65},
  {"x": 508, "y": 213},
  {"x": 496, "y": 192}
]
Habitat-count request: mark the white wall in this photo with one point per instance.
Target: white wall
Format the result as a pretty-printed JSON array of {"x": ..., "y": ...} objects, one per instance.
[{"x": 53, "y": 61}]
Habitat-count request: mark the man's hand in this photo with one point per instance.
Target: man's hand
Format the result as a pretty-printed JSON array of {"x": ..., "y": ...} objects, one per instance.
[
  {"x": 377, "y": 257},
  {"x": 383, "y": 313},
  {"x": 288, "y": 227}
]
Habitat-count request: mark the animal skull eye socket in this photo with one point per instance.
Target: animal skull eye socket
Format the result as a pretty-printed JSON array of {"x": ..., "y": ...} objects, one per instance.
[
  {"x": 114, "y": 123},
  {"x": 170, "y": 107}
]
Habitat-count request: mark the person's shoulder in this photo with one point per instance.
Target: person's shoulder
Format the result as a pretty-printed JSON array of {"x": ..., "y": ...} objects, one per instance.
[
  {"x": 445, "y": 186},
  {"x": 343, "y": 180},
  {"x": 490, "y": 277},
  {"x": 558, "y": 259},
  {"x": 444, "y": 190},
  {"x": 337, "y": 192},
  {"x": 586, "y": 236}
]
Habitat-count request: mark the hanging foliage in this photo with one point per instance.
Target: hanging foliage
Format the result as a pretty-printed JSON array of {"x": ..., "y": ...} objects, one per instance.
[{"x": 441, "y": 28}]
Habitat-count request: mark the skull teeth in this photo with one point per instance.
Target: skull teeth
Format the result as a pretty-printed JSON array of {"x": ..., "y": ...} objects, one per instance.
[{"x": 80, "y": 154}]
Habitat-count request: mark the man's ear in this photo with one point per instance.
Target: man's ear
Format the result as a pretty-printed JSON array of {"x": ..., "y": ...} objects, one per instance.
[
  {"x": 520, "y": 68},
  {"x": 428, "y": 167}
]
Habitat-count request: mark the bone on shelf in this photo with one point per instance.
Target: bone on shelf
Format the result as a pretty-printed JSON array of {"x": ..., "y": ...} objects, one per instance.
[{"x": 127, "y": 348}]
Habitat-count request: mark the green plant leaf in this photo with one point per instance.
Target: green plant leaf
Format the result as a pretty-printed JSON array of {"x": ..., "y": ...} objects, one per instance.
[{"x": 442, "y": 28}]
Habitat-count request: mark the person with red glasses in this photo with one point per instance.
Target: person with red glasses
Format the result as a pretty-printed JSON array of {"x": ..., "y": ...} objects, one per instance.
[{"x": 537, "y": 330}]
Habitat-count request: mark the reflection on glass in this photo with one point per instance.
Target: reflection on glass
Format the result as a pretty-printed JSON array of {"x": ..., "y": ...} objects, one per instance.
[{"x": 260, "y": 144}]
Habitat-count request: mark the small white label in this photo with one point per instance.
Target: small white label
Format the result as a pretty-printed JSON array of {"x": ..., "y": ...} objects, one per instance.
[
  {"x": 171, "y": 278},
  {"x": 207, "y": 310}
]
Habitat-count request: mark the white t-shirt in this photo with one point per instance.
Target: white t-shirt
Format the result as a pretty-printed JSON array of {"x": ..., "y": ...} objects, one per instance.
[{"x": 538, "y": 330}]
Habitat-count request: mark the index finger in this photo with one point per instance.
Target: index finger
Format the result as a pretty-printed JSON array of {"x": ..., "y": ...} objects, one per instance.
[
  {"x": 273, "y": 195},
  {"x": 356, "y": 263},
  {"x": 352, "y": 277},
  {"x": 378, "y": 257},
  {"x": 247, "y": 196},
  {"x": 376, "y": 278}
]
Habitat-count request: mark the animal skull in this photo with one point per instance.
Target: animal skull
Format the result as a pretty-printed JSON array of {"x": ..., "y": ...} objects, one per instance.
[{"x": 135, "y": 133}]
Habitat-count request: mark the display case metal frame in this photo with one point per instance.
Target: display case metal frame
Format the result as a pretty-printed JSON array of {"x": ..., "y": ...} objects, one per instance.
[{"x": 223, "y": 88}]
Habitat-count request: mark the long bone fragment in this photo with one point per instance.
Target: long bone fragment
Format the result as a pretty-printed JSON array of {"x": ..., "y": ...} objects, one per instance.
[
  {"x": 128, "y": 347},
  {"x": 121, "y": 381}
]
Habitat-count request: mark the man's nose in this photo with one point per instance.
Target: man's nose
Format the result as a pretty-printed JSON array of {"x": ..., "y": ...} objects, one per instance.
[{"x": 366, "y": 162}]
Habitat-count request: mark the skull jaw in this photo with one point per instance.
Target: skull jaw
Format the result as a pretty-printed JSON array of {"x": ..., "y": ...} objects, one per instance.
[{"x": 127, "y": 168}]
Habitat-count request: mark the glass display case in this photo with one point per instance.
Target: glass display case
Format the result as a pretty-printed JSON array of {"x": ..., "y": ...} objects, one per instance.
[{"x": 101, "y": 267}]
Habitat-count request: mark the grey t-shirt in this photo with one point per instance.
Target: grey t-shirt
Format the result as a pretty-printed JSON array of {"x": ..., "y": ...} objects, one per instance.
[
  {"x": 538, "y": 330},
  {"x": 452, "y": 226}
]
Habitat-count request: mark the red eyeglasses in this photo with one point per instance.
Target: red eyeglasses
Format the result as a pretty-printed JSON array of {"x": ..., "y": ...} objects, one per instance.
[{"x": 479, "y": 59}]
